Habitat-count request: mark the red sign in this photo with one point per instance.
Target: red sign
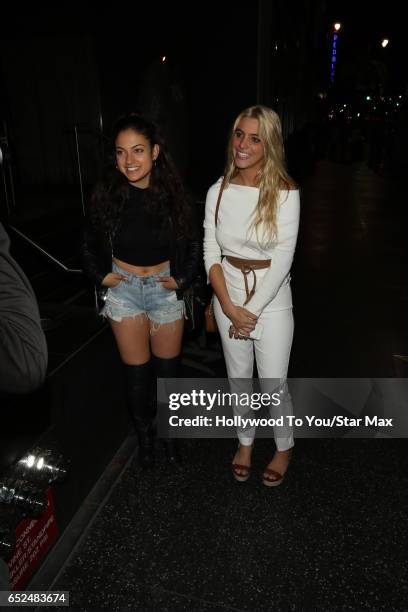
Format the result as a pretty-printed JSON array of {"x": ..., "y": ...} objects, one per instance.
[{"x": 34, "y": 538}]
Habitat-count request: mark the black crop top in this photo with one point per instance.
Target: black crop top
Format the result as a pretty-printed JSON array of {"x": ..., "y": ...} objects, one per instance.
[{"x": 139, "y": 240}]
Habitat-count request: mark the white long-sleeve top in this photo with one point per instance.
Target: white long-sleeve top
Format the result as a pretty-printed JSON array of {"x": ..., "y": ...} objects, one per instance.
[{"x": 231, "y": 237}]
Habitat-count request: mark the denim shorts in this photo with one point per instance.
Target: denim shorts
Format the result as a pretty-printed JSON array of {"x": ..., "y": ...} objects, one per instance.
[{"x": 142, "y": 295}]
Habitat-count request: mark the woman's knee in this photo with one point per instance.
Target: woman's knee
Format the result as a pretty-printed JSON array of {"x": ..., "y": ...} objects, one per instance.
[
  {"x": 132, "y": 339},
  {"x": 166, "y": 340}
]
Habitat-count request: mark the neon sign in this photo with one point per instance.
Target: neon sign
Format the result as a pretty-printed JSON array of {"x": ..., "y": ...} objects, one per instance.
[{"x": 333, "y": 57}]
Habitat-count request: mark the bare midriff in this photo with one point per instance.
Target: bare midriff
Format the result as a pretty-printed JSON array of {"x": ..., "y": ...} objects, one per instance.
[{"x": 142, "y": 270}]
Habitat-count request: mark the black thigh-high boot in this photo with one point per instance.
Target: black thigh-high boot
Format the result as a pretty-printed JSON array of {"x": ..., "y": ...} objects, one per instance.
[
  {"x": 168, "y": 368},
  {"x": 139, "y": 388}
]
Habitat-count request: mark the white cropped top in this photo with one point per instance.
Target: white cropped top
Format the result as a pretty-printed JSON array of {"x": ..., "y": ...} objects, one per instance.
[{"x": 231, "y": 236}]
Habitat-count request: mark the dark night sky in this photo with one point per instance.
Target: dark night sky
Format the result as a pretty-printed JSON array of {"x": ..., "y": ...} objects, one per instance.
[
  {"x": 366, "y": 24},
  {"x": 202, "y": 81},
  {"x": 212, "y": 56},
  {"x": 177, "y": 25},
  {"x": 188, "y": 32}
]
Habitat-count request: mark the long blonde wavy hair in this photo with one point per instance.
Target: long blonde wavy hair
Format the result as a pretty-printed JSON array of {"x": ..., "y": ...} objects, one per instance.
[{"x": 272, "y": 177}]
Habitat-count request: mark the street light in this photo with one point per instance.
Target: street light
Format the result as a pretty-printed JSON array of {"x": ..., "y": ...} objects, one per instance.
[
  {"x": 337, "y": 26},
  {"x": 384, "y": 42}
]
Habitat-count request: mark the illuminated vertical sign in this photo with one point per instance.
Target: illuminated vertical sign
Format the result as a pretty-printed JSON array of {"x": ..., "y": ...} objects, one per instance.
[{"x": 333, "y": 57}]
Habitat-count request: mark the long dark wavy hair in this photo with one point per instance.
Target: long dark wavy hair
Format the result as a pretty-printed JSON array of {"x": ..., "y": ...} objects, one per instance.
[{"x": 166, "y": 194}]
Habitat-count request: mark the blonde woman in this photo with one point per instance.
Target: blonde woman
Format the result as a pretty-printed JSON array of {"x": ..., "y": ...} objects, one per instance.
[{"x": 251, "y": 225}]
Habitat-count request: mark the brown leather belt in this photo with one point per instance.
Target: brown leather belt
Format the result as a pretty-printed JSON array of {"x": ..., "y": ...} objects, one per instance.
[{"x": 246, "y": 266}]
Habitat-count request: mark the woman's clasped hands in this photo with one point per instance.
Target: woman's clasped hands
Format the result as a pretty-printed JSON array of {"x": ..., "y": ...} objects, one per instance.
[{"x": 243, "y": 322}]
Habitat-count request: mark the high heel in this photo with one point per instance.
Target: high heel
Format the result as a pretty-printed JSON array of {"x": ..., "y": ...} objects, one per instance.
[
  {"x": 244, "y": 470},
  {"x": 142, "y": 409},
  {"x": 272, "y": 478},
  {"x": 168, "y": 368}
]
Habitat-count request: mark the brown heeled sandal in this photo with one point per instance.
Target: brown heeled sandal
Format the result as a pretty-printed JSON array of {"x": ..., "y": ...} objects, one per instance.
[
  {"x": 244, "y": 471},
  {"x": 272, "y": 478},
  {"x": 244, "y": 474}
]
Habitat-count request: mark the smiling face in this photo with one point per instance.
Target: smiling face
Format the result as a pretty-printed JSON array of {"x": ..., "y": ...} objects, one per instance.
[
  {"x": 135, "y": 157},
  {"x": 247, "y": 147}
]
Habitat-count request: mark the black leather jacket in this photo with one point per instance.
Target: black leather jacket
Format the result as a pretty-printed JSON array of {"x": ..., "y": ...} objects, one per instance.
[{"x": 185, "y": 256}]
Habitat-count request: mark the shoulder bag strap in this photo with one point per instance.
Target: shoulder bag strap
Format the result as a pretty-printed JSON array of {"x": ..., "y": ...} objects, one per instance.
[{"x": 219, "y": 199}]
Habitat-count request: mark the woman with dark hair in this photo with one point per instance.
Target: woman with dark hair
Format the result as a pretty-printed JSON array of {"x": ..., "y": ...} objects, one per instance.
[
  {"x": 142, "y": 245},
  {"x": 251, "y": 225}
]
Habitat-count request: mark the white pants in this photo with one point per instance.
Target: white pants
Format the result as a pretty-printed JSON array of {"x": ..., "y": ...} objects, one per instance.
[{"x": 272, "y": 352}]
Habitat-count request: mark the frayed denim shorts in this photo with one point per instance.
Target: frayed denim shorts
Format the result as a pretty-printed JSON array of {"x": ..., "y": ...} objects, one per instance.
[{"x": 142, "y": 295}]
